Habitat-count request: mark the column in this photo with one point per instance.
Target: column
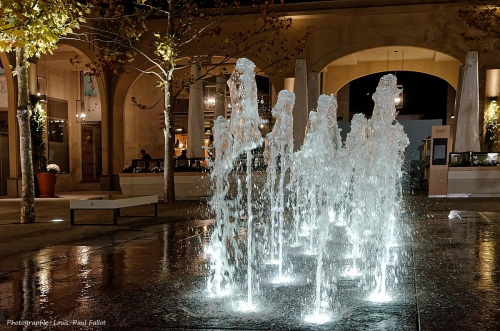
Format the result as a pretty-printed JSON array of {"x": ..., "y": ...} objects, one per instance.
[
  {"x": 289, "y": 84},
  {"x": 14, "y": 164},
  {"x": 450, "y": 112},
  {"x": 343, "y": 103},
  {"x": 195, "y": 116},
  {"x": 300, "y": 111},
  {"x": 312, "y": 90}
]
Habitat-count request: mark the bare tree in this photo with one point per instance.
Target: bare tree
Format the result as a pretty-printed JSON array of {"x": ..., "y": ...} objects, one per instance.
[
  {"x": 122, "y": 32},
  {"x": 483, "y": 17}
]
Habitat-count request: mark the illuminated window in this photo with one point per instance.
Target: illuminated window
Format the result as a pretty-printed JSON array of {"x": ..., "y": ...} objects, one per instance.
[{"x": 57, "y": 134}]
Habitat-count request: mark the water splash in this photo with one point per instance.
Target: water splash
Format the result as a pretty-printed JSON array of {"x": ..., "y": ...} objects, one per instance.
[
  {"x": 232, "y": 140},
  {"x": 309, "y": 196},
  {"x": 279, "y": 156}
]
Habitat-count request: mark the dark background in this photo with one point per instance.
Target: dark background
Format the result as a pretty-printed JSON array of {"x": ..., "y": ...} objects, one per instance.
[{"x": 422, "y": 94}]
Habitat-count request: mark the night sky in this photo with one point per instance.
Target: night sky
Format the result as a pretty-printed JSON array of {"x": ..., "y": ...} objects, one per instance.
[{"x": 422, "y": 94}]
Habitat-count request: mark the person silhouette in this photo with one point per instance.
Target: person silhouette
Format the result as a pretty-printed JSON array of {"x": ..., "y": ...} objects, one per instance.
[{"x": 145, "y": 156}]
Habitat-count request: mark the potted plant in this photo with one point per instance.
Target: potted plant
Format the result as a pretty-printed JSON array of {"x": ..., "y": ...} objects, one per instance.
[{"x": 47, "y": 180}]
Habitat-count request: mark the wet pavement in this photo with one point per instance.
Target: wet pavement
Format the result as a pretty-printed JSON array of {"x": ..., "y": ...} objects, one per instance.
[
  {"x": 457, "y": 271},
  {"x": 150, "y": 275}
]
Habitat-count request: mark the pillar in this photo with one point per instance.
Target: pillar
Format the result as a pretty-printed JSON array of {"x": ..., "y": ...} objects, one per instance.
[
  {"x": 492, "y": 84},
  {"x": 450, "y": 111},
  {"x": 32, "y": 79},
  {"x": 343, "y": 103},
  {"x": 312, "y": 90},
  {"x": 289, "y": 83},
  {"x": 14, "y": 164},
  {"x": 300, "y": 110},
  {"x": 322, "y": 75},
  {"x": 196, "y": 116}
]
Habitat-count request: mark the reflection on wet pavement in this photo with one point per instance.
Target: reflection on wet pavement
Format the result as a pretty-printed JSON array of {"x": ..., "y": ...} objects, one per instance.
[
  {"x": 155, "y": 279},
  {"x": 457, "y": 271},
  {"x": 68, "y": 281}
]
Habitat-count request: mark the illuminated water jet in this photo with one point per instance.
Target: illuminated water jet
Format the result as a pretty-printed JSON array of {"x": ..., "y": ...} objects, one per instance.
[{"x": 330, "y": 199}]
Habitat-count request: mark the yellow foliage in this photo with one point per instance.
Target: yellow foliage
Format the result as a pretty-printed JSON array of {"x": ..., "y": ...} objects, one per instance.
[
  {"x": 492, "y": 114},
  {"x": 37, "y": 25}
]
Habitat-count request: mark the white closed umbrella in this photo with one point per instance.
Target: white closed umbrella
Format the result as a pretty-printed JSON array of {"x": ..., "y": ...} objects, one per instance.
[{"x": 467, "y": 106}]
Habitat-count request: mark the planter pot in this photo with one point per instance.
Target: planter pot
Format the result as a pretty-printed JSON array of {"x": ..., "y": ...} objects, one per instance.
[{"x": 46, "y": 183}]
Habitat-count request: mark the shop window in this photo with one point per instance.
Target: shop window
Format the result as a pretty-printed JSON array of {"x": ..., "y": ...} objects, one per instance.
[{"x": 57, "y": 134}]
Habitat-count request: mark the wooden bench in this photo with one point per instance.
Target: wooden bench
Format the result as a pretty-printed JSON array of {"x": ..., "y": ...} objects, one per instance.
[{"x": 112, "y": 203}]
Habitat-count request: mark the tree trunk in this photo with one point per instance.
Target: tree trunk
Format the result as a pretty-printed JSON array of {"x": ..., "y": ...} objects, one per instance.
[
  {"x": 23, "y": 117},
  {"x": 168, "y": 173}
]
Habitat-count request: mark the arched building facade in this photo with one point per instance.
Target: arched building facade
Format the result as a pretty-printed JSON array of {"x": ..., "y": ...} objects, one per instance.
[{"x": 346, "y": 40}]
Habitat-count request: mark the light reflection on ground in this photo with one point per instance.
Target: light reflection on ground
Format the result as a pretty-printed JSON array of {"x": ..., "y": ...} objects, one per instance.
[{"x": 145, "y": 279}]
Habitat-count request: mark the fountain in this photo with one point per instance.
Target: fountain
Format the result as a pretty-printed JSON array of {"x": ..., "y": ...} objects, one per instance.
[
  {"x": 279, "y": 156},
  {"x": 308, "y": 199}
]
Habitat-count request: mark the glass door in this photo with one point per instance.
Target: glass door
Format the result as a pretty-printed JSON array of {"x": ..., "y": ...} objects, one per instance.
[{"x": 91, "y": 152}]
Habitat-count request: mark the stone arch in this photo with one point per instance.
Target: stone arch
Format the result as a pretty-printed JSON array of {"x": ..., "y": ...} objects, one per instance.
[
  {"x": 88, "y": 55},
  {"x": 63, "y": 80},
  {"x": 69, "y": 48},
  {"x": 369, "y": 61},
  {"x": 433, "y": 29},
  {"x": 127, "y": 136}
]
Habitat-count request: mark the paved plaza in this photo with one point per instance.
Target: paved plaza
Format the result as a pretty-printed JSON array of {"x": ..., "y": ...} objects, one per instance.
[{"x": 149, "y": 273}]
